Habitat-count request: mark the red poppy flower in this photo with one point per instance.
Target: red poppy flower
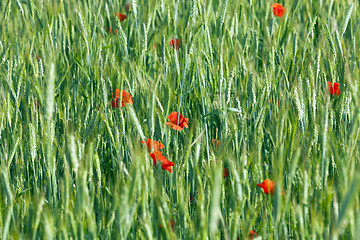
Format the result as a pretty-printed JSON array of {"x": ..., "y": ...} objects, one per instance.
[
  {"x": 334, "y": 90},
  {"x": 252, "y": 234},
  {"x": 36, "y": 103},
  {"x": 121, "y": 16},
  {"x": 175, "y": 43},
  {"x": 217, "y": 142},
  {"x": 152, "y": 145},
  {"x": 278, "y": 9},
  {"x": 126, "y": 98},
  {"x": 225, "y": 172},
  {"x": 172, "y": 224},
  {"x": 268, "y": 186},
  {"x": 110, "y": 30},
  {"x": 166, "y": 164},
  {"x": 173, "y": 121}
]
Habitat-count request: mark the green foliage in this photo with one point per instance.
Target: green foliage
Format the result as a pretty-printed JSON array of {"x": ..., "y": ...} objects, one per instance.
[{"x": 73, "y": 167}]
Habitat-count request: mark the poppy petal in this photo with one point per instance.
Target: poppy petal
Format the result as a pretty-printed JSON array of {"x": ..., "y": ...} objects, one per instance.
[
  {"x": 225, "y": 172},
  {"x": 152, "y": 145},
  {"x": 278, "y": 9},
  {"x": 174, "y": 126},
  {"x": 268, "y": 186},
  {"x": 121, "y": 16},
  {"x": 336, "y": 88},
  {"x": 126, "y": 98},
  {"x": 113, "y": 104},
  {"x": 166, "y": 164},
  {"x": 330, "y": 87},
  {"x": 252, "y": 234},
  {"x": 175, "y": 43},
  {"x": 178, "y": 44},
  {"x": 174, "y": 117},
  {"x": 184, "y": 122},
  {"x": 155, "y": 156}
]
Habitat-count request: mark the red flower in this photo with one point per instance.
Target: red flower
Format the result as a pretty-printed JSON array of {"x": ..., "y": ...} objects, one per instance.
[
  {"x": 268, "y": 186},
  {"x": 166, "y": 164},
  {"x": 252, "y": 234},
  {"x": 152, "y": 145},
  {"x": 278, "y": 9},
  {"x": 172, "y": 224},
  {"x": 110, "y": 30},
  {"x": 36, "y": 103},
  {"x": 175, "y": 43},
  {"x": 115, "y": 102},
  {"x": 126, "y": 98},
  {"x": 173, "y": 121},
  {"x": 225, "y": 172},
  {"x": 217, "y": 142},
  {"x": 121, "y": 16},
  {"x": 333, "y": 90}
]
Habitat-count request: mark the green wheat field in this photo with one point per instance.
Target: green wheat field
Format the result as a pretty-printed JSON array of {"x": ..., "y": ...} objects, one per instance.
[{"x": 279, "y": 93}]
